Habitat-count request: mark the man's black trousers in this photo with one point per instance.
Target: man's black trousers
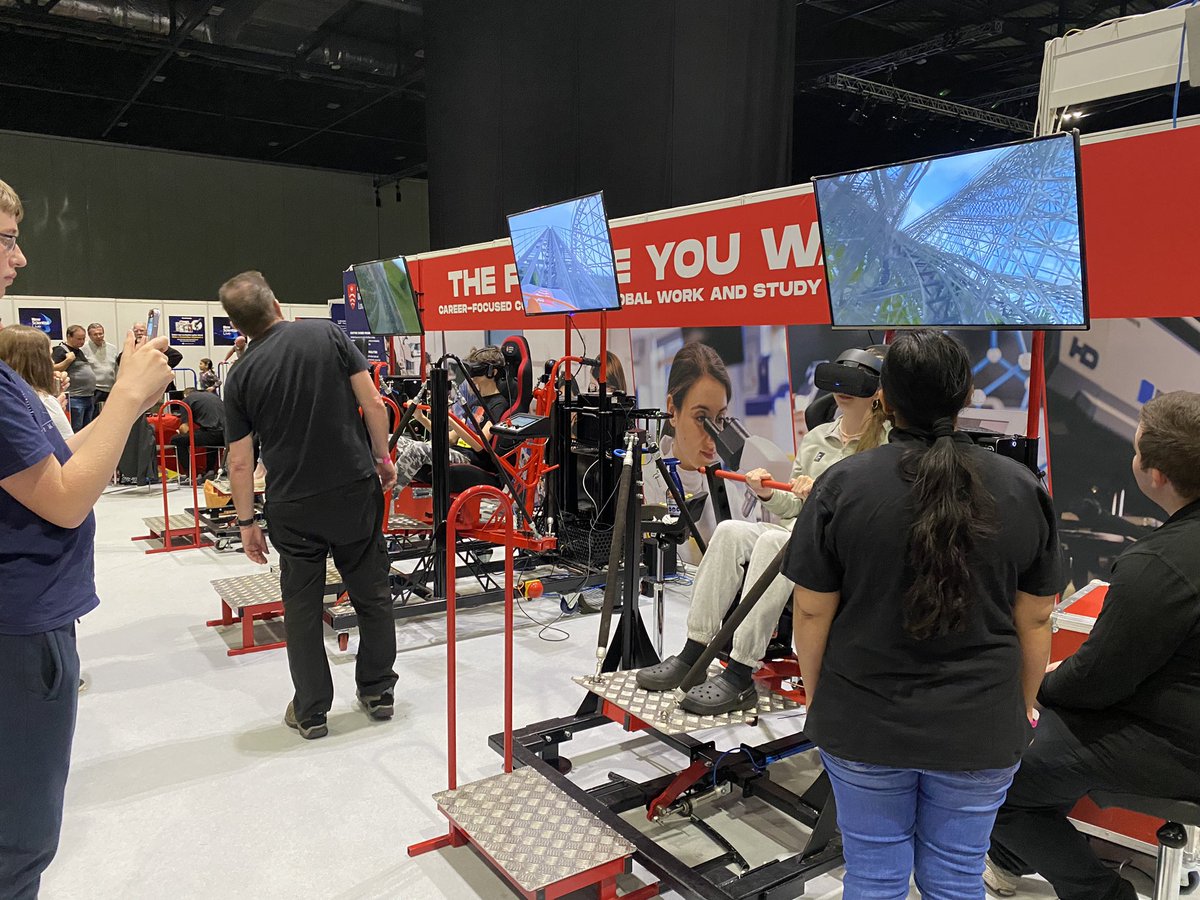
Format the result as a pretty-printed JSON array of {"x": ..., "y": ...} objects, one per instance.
[
  {"x": 346, "y": 522},
  {"x": 1073, "y": 753},
  {"x": 205, "y": 437}
]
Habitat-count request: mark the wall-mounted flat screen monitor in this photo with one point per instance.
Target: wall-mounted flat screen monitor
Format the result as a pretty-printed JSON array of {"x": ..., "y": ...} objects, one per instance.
[
  {"x": 386, "y": 292},
  {"x": 565, "y": 258},
  {"x": 988, "y": 238}
]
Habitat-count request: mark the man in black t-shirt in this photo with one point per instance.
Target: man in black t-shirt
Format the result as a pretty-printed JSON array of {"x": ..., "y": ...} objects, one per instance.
[
  {"x": 298, "y": 389},
  {"x": 69, "y": 357},
  {"x": 208, "y": 417},
  {"x": 1123, "y": 713},
  {"x": 484, "y": 368}
]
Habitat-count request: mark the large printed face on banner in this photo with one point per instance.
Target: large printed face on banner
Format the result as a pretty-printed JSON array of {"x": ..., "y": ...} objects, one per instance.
[
  {"x": 1097, "y": 383},
  {"x": 718, "y": 374}
]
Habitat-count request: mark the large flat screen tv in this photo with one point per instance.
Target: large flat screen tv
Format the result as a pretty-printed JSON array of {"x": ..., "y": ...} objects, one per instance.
[
  {"x": 988, "y": 238},
  {"x": 387, "y": 296},
  {"x": 565, "y": 258}
]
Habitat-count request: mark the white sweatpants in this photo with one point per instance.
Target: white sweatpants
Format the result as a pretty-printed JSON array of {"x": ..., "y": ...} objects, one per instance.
[{"x": 735, "y": 544}]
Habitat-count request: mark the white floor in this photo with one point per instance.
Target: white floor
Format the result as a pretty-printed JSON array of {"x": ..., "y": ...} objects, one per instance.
[{"x": 185, "y": 783}]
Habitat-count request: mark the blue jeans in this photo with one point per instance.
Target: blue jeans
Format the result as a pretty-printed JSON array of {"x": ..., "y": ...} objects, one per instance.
[
  {"x": 39, "y": 692},
  {"x": 895, "y": 822},
  {"x": 83, "y": 410}
]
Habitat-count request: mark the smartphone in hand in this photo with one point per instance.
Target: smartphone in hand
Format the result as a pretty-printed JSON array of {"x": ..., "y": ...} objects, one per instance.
[{"x": 153, "y": 322}]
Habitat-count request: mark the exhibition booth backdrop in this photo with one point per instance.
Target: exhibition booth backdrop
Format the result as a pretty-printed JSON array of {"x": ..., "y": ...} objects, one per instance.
[
  {"x": 196, "y": 329},
  {"x": 745, "y": 275}
]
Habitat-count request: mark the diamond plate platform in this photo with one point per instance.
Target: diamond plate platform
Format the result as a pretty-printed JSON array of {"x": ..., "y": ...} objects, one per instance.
[
  {"x": 249, "y": 590},
  {"x": 534, "y": 832},
  {"x": 660, "y": 709},
  {"x": 408, "y": 523},
  {"x": 178, "y": 522}
]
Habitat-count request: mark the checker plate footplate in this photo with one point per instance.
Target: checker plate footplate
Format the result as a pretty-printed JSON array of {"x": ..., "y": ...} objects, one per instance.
[
  {"x": 178, "y": 522},
  {"x": 660, "y": 709},
  {"x": 249, "y": 590},
  {"x": 535, "y": 833}
]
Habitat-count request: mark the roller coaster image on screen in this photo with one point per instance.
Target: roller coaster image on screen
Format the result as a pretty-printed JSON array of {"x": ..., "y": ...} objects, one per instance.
[
  {"x": 386, "y": 293},
  {"x": 564, "y": 257},
  {"x": 989, "y": 238}
]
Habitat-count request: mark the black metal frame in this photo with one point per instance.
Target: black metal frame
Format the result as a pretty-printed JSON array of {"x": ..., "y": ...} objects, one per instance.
[
  {"x": 745, "y": 768},
  {"x": 746, "y": 771}
]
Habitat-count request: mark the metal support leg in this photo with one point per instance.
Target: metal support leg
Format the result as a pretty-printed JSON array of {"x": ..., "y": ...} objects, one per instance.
[
  {"x": 658, "y": 597},
  {"x": 1171, "y": 841}
]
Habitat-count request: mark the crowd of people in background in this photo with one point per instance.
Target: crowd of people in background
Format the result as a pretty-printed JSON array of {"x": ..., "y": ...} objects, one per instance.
[{"x": 74, "y": 378}]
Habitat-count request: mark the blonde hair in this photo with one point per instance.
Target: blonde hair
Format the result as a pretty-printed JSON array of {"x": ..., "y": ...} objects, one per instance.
[
  {"x": 10, "y": 203},
  {"x": 27, "y": 352},
  {"x": 874, "y": 434}
]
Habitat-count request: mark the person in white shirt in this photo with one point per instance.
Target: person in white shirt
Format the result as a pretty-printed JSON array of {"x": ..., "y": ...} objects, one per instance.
[
  {"x": 102, "y": 357},
  {"x": 27, "y": 352},
  {"x": 734, "y": 545}
]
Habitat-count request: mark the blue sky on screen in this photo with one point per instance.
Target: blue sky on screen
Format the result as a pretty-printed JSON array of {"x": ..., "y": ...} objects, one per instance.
[
  {"x": 560, "y": 216},
  {"x": 945, "y": 178}
]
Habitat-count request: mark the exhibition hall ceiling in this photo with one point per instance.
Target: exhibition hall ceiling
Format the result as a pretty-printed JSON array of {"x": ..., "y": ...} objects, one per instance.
[{"x": 339, "y": 84}]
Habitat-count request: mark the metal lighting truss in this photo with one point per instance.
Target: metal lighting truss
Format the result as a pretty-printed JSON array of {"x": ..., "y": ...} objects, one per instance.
[
  {"x": 886, "y": 93},
  {"x": 951, "y": 40},
  {"x": 1004, "y": 248}
]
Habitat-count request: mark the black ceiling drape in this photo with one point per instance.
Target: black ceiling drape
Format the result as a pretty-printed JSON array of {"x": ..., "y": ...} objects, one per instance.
[{"x": 657, "y": 102}]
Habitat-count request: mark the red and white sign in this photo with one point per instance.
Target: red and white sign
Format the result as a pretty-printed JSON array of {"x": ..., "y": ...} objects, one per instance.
[{"x": 756, "y": 259}]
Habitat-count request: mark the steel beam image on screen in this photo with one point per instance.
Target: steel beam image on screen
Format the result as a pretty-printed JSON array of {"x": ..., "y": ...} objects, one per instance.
[
  {"x": 989, "y": 238},
  {"x": 387, "y": 296},
  {"x": 564, "y": 257}
]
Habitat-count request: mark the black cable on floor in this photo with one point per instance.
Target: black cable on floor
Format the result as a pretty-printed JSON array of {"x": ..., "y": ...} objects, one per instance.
[{"x": 546, "y": 626}]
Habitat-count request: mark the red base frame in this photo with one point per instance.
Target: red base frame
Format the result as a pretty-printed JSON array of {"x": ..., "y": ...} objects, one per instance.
[
  {"x": 249, "y": 615},
  {"x": 603, "y": 878}
]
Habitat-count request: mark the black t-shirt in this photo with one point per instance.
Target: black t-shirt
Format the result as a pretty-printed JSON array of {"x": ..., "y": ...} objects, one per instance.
[
  {"x": 83, "y": 379},
  {"x": 1142, "y": 658},
  {"x": 494, "y": 408},
  {"x": 208, "y": 412},
  {"x": 292, "y": 389},
  {"x": 951, "y": 703}
]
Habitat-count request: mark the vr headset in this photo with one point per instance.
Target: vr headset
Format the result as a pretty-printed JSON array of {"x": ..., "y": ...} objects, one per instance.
[
  {"x": 485, "y": 369},
  {"x": 856, "y": 373}
]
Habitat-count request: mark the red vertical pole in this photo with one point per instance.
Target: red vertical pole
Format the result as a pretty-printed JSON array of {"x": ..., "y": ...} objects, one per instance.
[
  {"x": 451, "y": 655},
  {"x": 1037, "y": 384},
  {"x": 567, "y": 348},
  {"x": 162, "y": 472},
  {"x": 508, "y": 637},
  {"x": 603, "y": 348}
]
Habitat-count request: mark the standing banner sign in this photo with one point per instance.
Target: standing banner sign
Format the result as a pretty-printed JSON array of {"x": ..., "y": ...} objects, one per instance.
[
  {"x": 224, "y": 334},
  {"x": 47, "y": 319},
  {"x": 186, "y": 331}
]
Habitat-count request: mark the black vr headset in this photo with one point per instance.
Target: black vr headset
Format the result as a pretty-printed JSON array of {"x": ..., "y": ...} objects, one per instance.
[
  {"x": 486, "y": 369},
  {"x": 856, "y": 373}
]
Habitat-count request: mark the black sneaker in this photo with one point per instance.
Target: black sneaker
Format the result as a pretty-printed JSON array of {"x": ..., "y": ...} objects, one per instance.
[
  {"x": 381, "y": 707},
  {"x": 311, "y": 728}
]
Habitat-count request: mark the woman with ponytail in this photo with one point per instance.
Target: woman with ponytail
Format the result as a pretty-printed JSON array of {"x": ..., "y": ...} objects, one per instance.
[{"x": 926, "y": 572}]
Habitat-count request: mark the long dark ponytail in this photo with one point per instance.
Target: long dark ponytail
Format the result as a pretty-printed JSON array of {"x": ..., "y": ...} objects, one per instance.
[{"x": 926, "y": 382}]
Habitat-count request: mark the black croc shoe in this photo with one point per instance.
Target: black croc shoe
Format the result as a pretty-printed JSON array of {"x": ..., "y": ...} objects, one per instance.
[
  {"x": 666, "y": 676},
  {"x": 719, "y": 695}
]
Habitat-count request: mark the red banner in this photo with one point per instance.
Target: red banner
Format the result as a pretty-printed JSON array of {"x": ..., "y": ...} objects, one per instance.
[
  {"x": 757, "y": 260},
  {"x": 756, "y": 263}
]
